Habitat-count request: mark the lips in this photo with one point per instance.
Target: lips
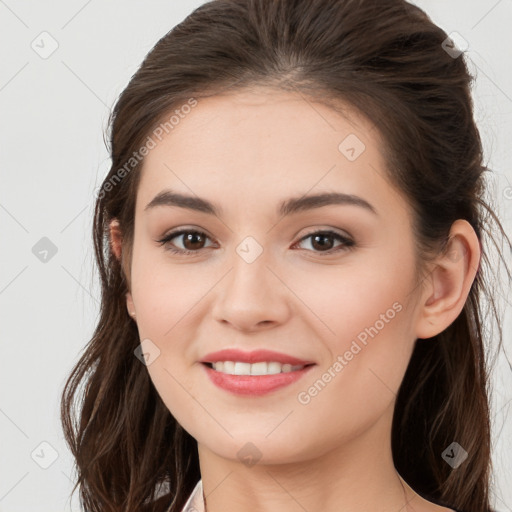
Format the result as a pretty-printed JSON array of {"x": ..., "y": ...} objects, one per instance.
[{"x": 256, "y": 383}]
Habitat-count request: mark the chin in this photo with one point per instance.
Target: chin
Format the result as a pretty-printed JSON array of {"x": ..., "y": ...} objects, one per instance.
[{"x": 258, "y": 449}]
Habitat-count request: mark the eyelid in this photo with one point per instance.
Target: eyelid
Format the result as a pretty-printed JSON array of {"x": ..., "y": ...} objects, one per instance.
[
  {"x": 178, "y": 230},
  {"x": 336, "y": 231}
]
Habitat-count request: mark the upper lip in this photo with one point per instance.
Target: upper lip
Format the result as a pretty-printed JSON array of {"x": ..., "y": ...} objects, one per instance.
[{"x": 255, "y": 356}]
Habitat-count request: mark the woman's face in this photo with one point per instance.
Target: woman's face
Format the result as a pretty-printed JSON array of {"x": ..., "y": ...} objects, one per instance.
[{"x": 260, "y": 279}]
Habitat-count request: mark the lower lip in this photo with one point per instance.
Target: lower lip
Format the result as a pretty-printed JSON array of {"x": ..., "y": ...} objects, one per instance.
[{"x": 253, "y": 384}]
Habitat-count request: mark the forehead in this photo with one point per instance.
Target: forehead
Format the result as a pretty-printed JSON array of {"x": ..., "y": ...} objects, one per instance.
[{"x": 260, "y": 143}]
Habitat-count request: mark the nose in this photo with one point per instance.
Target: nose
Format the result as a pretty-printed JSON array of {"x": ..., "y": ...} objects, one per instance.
[{"x": 251, "y": 297}]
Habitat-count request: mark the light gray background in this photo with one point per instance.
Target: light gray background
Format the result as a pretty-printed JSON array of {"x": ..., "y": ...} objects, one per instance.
[{"x": 53, "y": 115}]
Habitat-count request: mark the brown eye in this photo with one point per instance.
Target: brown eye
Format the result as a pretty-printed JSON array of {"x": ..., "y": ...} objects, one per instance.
[
  {"x": 193, "y": 241},
  {"x": 323, "y": 241}
]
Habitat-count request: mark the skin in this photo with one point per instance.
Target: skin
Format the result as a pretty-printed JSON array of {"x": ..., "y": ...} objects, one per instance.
[{"x": 247, "y": 152}]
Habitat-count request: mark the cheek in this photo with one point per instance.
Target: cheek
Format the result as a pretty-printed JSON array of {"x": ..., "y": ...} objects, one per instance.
[
  {"x": 166, "y": 299},
  {"x": 344, "y": 300},
  {"x": 368, "y": 356},
  {"x": 165, "y": 293},
  {"x": 363, "y": 321}
]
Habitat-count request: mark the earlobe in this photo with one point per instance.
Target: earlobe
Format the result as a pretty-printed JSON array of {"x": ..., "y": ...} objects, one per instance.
[
  {"x": 115, "y": 238},
  {"x": 450, "y": 281}
]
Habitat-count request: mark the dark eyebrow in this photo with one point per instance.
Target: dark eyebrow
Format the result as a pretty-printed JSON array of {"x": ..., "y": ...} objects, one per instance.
[
  {"x": 288, "y": 207},
  {"x": 299, "y": 204}
]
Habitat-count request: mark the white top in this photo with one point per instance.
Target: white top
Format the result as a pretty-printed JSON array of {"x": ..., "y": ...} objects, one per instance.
[{"x": 195, "y": 502}]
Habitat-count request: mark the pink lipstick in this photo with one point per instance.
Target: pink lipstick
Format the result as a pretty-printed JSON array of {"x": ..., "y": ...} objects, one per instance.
[{"x": 253, "y": 373}]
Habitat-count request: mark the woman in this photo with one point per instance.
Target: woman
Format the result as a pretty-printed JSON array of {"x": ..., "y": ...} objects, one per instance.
[{"x": 290, "y": 242}]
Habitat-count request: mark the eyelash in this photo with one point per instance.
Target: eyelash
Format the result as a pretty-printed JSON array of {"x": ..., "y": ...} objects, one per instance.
[{"x": 347, "y": 243}]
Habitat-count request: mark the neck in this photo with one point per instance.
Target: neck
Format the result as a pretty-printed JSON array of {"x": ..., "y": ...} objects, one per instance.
[{"x": 358, "y": 475}]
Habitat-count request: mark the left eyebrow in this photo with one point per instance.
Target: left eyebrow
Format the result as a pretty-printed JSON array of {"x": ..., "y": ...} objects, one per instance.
[
  {"x": 287, "y": 207},
  {"x": 299, "y": 204}
]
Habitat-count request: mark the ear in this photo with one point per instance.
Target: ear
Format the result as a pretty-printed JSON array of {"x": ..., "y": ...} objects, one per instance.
[
  {"x": 447, "y": 286},
  {"x": 116, "y": 238},
  {"x": 116, "y": 247}
]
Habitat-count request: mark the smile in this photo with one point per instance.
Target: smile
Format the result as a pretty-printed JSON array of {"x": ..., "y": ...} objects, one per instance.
[
  {"x": 254, "y": 378},
  {"x": 260, "y": 368}
]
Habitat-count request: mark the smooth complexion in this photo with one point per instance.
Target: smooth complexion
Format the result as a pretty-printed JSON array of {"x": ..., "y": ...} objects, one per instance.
[{"x": 246, "y": 153}]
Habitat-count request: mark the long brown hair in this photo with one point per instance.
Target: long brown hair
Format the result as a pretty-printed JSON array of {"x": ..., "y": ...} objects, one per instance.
[{"x": 390, "y": 61}]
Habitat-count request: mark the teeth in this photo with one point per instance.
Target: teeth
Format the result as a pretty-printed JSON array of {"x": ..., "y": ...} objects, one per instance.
[
  {"x": 242, "y": 369},
  {"x": 261, "y": 368}
]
